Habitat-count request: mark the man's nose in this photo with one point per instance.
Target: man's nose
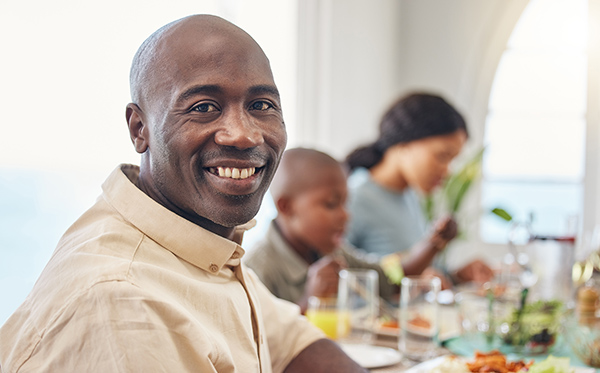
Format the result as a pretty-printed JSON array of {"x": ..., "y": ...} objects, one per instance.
[{"x": 239, "y": 130}]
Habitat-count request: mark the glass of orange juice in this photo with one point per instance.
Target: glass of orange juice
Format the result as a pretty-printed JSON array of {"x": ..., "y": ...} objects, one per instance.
[{"x": 324, "y": 314}]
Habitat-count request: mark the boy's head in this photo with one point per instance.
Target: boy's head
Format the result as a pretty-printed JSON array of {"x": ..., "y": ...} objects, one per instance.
[{"x": 309, "y": 191}]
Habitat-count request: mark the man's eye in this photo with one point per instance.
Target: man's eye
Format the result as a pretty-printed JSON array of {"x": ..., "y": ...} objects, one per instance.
[
  {"x": 205, "y": 108},
  {"x": 261, "y": 105}
]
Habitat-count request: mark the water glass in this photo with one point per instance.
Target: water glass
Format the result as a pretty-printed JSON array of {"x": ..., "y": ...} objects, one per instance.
[
  {"x": 483, "y": 318},
  {"x": 358, "y": 305},
  {"x": 419, "y": 319}
]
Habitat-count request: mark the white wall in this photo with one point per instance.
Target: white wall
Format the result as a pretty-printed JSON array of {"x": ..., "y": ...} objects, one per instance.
[
  {"x": 356, "y": 58},
  {"x": 349, "y": 57}
]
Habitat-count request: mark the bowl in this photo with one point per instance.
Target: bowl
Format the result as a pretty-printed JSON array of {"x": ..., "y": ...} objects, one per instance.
[
  {"x": 534, "y": 329},
  {"x": 583, "y": 337},
  {"x": 498, "y": 322}
]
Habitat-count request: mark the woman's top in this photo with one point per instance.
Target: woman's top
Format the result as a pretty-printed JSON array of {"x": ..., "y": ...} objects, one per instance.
[{"x": 382, "y": 221}]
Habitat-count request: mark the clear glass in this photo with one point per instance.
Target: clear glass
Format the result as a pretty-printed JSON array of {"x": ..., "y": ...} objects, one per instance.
[
  {"x": 323, "y": 313},
  {"x": 419, "y": 317},
  {"x": 358, "y": 303},
  {"x": 483, "y": 318}
]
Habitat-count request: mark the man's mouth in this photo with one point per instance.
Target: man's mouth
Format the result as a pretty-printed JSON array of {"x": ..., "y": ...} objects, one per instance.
[{"x": 233, "y": 172}]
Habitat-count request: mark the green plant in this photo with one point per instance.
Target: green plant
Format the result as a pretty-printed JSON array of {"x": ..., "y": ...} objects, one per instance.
[{"x": 455, "y": 188}]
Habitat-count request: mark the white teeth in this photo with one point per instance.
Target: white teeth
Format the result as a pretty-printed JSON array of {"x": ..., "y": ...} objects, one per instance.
[{"x": 236, "y": 173}]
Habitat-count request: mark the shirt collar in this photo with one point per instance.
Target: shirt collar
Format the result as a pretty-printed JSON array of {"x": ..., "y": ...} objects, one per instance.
[
  {"x": 183, "y": 238},
  {"x": 292, "y": 265}
]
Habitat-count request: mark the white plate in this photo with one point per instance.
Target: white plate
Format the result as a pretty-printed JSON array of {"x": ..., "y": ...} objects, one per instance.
[
  {"x": 369, "y": 356},
  {"x": 428, "y": 365}
]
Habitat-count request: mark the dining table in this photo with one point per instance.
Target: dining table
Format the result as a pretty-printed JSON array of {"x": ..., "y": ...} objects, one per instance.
[{"x": 451, "y": 343}]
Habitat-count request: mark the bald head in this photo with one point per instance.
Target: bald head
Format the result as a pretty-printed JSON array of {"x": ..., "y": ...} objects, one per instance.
[
  {"x": 164, "y": 54},
  {"x": 303, "y": 169}
]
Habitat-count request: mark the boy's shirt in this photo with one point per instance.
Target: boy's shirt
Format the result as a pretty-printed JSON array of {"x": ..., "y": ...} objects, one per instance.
[{"x": 284, "y": 272}]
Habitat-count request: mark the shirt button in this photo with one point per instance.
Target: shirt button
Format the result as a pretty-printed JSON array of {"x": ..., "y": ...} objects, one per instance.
[
  {"x": 214, "y": 267},
  {"x": 235, "y": 255}
]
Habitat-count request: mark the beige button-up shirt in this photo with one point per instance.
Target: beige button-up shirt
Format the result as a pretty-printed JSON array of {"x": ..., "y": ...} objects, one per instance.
[{"x": 133, "y": 287}]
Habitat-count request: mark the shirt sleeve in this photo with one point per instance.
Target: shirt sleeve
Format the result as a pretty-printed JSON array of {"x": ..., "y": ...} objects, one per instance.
[
  {"x": 116, "y": 327},
  {"x": 288, "y": 332}
]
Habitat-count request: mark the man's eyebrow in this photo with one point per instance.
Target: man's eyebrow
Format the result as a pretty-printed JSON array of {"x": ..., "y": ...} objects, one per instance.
[
  {"x": 199, "y": 89},
  {"x": 214, "y": 89},
  {"x": 268, "y": 89}
]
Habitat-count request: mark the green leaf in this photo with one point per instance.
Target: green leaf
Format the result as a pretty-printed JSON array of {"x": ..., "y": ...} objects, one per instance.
[
  {"x": 428, "y": 207},
  {"x": 459, "y": 183},
  {"x": 502, "y": 214}
]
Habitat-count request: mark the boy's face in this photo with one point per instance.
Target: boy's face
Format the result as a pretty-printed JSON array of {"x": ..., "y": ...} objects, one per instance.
[{"x": 318, "y": 215}]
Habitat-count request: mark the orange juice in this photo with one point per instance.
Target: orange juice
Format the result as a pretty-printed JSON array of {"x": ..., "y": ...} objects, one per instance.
[{"x": 333, "y": 323}]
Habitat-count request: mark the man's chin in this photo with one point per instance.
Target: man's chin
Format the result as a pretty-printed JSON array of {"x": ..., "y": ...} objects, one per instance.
[{"x": 231, "y": 219}]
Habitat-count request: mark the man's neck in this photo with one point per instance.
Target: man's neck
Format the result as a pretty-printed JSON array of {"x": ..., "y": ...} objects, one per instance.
[{"x": 226, "y": 232}]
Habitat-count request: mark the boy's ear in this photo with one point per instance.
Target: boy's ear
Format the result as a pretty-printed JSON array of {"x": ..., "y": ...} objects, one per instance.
[{"x": 284, "y": 206}]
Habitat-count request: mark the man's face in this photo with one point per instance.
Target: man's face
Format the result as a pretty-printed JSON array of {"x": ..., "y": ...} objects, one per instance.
[{"x": 215, "y": 129}]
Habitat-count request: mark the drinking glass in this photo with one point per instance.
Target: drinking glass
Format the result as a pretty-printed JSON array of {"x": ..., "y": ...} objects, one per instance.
[
  {"x": 419, "y": 320},
  {"x": 358, "y": 305},
  {"x": 323, "y": 313}
]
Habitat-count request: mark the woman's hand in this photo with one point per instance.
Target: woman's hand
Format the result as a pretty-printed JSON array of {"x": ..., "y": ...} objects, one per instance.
[
  {"x": 431, "y": 272},
  {"x": 444, "y": 230},
  {"x": 476, "y": 271}
]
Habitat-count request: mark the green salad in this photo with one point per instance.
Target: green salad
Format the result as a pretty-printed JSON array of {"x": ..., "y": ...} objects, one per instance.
[
  {"x": 552, "y": 364},
  {"x": 535, "y": 326}
]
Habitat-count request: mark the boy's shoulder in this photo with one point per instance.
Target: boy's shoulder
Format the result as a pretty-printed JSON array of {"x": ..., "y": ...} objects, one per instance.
[{"x": 261, "y": 254}]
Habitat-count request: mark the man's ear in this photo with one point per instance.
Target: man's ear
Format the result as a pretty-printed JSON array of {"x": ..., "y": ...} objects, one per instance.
[{"x": 138, "y": 130}]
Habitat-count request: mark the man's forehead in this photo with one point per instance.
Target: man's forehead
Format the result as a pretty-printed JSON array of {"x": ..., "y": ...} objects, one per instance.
[{"x": 200, "y": 46}]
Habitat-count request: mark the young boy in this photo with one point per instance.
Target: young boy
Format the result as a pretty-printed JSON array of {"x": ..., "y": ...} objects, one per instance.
[{"x": 303, "y": 249}]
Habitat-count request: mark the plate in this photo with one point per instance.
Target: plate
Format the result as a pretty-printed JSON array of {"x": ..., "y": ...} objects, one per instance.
[
  {"x": 369, "y": 356},
  {"x": 428, "y": 365}
]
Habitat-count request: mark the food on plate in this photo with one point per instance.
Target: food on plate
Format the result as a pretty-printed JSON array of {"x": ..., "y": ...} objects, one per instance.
[
  {"x": 388, "y": 325},
  {"x": 493, "y": 361},
  {"x": 552, "y": 364},
  {"x": 420, "y": 322}
]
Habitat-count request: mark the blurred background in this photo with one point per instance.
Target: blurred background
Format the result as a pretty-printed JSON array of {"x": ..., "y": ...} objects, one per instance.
[{"x": 525, "y": 74}]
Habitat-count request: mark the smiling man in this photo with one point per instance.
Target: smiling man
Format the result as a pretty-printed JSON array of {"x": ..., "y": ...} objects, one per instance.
[{"x": 149, "y": 278}]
